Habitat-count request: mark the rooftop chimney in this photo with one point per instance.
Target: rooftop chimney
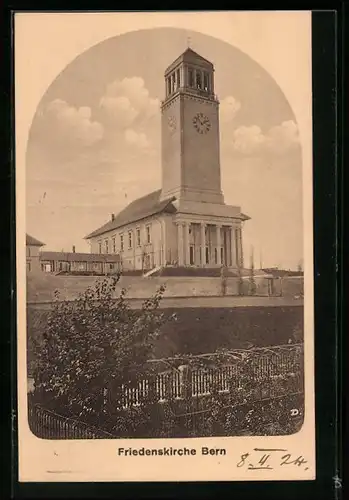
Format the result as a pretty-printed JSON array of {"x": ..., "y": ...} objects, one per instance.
[
  {"x": 73, "y": 248},
  {"x": 112, "y": 216}
]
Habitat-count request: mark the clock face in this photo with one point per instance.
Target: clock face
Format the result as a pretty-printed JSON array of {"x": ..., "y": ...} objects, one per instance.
[
  {"x": 172, "y": 123},
  {"x": 201, "y": 123}
]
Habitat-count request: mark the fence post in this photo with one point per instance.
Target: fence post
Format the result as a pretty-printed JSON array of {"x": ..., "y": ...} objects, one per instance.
[
  {"x": 185, "y": 382},
  {"x": 152, "y": 393}
]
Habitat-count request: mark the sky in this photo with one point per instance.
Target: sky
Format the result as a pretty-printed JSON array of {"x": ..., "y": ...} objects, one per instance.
[{"x": 95, "y": 144}]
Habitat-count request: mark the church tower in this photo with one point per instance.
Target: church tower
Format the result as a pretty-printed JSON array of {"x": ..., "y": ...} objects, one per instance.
[{"x": 190, "y": 132}]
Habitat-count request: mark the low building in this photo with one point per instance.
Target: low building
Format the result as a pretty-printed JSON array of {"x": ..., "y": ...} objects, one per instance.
[
  {"x": 33, "y": 253},
  {"x": 75, "y": 262}
]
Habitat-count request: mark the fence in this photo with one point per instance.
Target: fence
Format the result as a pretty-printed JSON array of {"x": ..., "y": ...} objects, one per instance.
[
  {"x": 262, "y": 369},
  {"x": 49, "y": 425},
  {"x": 266, "y": 366}
]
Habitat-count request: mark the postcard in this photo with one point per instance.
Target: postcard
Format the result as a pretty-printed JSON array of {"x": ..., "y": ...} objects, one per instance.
[{"x": 164, "y": 246}]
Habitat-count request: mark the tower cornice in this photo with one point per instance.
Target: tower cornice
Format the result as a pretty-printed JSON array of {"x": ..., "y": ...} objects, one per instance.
[{"x": 190, "y": 93}]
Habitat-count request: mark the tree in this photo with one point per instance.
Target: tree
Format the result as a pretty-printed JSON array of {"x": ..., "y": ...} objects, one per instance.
[
  {"x": 252, "y": 281},
  {"x": 223, "y": 274},
  {"x": 240, "y": 281},
  {"x": 92, "y": 345}
]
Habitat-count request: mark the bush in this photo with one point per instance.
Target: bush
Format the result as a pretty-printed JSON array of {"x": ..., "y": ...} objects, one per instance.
[{"x": 91, "y": 345}]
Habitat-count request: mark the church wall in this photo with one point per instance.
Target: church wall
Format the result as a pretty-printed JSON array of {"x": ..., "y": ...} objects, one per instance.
[
  {"x": 140, "y": 256},
  {"x": 171, "y": 239}
]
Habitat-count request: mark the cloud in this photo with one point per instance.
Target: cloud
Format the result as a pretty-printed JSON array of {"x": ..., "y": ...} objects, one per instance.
[
  {"x": 63, "y": 123},
  {"x": 248, "y": 139},
  {"x": 138, "y": 139},
  {"x": 279, "y": 139},
  {"x": 229, "y": 107},
  {"x": 283, "y": 137},
  {"x": 127, "y": 102}
]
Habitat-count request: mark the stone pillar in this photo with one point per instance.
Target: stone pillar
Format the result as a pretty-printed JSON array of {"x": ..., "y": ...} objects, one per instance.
[
  {"x": 219, "y": 244},
  {"x": 180, "y": 243},
  {"x": 233, "y": 246},
  {"x": 203, "y": 244},
  {"x": 187, "y": 243}
]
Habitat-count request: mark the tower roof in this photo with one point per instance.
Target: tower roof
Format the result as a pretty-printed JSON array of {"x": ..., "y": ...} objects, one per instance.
[{"x": 190, "y": 56}]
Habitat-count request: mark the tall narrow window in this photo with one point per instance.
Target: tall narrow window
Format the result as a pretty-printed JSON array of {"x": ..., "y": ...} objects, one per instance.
[
  {"x": 168, "y": 85},
  {"x": 178, "y": 78},
  {"x": 198, "y": 79},
  {"x": 207, "y": 256},
  {"x": 99, "y": 247},
  {"x": 206, "y": 81},
  {"x": 106, "y": 246},
  {"x": 190, "y": 77},
  {"x": 148, "y": 234},
  {"x": 138, "y": 237},
  {"x": 122, "y": 242},
  {"x": 114, "y": 244},
  {"x": 130, "y": 239}
]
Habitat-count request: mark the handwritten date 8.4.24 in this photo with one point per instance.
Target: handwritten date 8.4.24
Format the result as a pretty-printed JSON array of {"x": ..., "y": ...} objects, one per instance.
[{"x": 270, "y": 459}]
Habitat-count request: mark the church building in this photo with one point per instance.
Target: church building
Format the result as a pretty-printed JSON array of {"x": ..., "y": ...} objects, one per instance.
[{"x": 186, "y": 222}]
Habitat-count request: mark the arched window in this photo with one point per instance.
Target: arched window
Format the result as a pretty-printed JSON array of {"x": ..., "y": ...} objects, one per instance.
[
  {"x": 178, "y": 78},
  {"x": 190, "y": 77},
  {"x": 198, "y": 79},
  {"x": 206, "y": 81},
  {"x": 174, "y": 86}
]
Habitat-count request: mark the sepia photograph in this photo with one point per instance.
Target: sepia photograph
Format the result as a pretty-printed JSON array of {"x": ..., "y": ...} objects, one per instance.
[{"x": 164, "y": 281}]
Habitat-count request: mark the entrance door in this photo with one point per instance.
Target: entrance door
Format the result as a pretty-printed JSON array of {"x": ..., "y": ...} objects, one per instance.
[{"x": 191, "y": 255}]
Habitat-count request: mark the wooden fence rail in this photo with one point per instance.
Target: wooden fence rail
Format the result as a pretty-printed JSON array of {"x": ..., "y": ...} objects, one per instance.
[
  {"x": 49, "y": 425},
  {"x": 266, "y": 367}
]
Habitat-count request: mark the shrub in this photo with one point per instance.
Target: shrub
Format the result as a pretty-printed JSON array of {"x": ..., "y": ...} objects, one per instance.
[{"x": 92, "y": 344}]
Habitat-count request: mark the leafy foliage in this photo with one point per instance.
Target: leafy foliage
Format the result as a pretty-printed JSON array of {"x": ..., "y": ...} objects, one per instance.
[
  {"x": 95, "y": 346},
  {"x": 252, "y": 281},
  {"x": 269, "y": 404},
  {"x": 241, "y": 290},
  {"x": 92, "y": 344}
]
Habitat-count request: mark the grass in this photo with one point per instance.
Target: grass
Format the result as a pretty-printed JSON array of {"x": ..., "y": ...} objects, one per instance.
[{"x": 202, "y": 330}]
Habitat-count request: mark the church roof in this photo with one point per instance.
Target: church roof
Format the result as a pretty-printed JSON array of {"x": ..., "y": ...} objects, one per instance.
[
  {"x": 189, "y": 55},
  {"x": 137, "y": 210},
  {"x": 30, "y": 241}
]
